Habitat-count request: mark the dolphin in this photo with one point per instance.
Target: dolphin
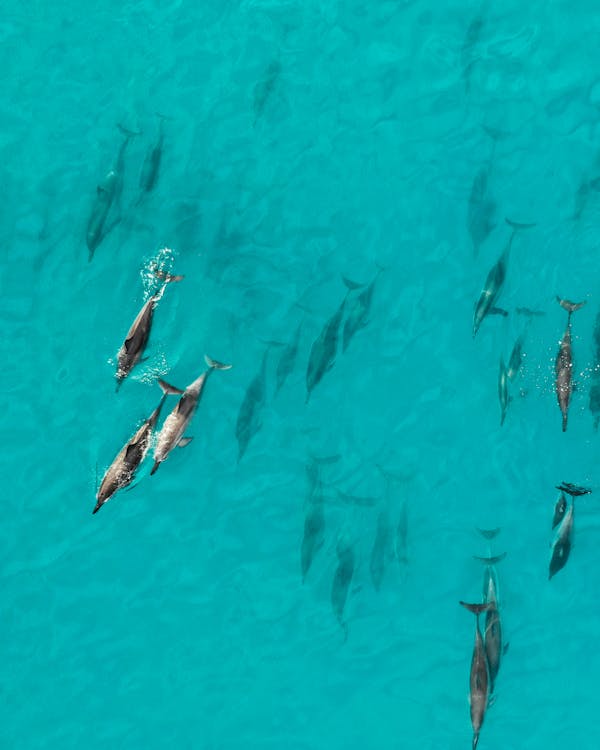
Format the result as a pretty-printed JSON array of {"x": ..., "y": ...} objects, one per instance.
[
  {"x": 481, "y": 209},
  {"x": 503, "y": 394},
  {"x": 495, "y": 280},
  {"x": 529, "y": 313},
  {"x": 152, "y": 160},
  {"x": 480, "y": 675},
  {"x": 287, "y": 360},
  {"x": 108, "y": 192},
  {"x": 324, "y": 348},
  {"x": 573, "y": 489},
  {"x": 176, "y": 423},
  {"x": 137, "y": 337},
  {"x": 358, "y": 315},
  {"x": 467, "y": 57},
  {"x": 264, "y": 88},
  {"x": 564, "y": 362},
  {"x": 379, "y": 551},
  {"x": 494, "y": 648},
  {"x": 559, "y": 510},
  {"x": 313, "y": 535},
  {"x": 122, "y": 470},
  {"x": 561, "y": 546},
  {"x": 516, "y": 358},
  {"x": 595, "y": 387},
  {"x": 249, "y": 417},
  {"x": 341, "y": 580}
]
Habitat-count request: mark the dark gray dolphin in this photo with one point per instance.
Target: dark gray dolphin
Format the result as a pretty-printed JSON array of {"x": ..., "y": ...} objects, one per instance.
[
  {"x": 564, "y": 363},
  {"x": 249, "y": 417},
  {"x": 494, "y": 647},
  {"x": 595, "y": 386},
  {"x": 137, "y": 337},
  {"x": 108, "y": 193},
  {"x": 122, "y": 470},
  {"x": 503, "y": 394},
  {"x": 559, "y": 510},
  {"x": 516, "y": 358},
  {"x": 380, "y": 549},
  {"x": 479, "y": 680},
  {"x": 342, "y": 579},
  {"x": 358, "y": 314},
  {"x": 178, "y": 420},
  {"x": 264, "y": 88},
  {"x": 324, "y": 348},
  {"x": 314, "y": 520},
  {"x": 152, "y": 161},
  {"x": 495, "y": 280},
  {"x": 561, "y": 546}
]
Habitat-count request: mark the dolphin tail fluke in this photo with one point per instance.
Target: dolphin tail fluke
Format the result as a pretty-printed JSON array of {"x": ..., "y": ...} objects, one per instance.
[
  {"x": 351, "y": 286},
  {"x": 215, "y": 365},
  {"x": 128, "y": 133},
  {"x": 564, "y": 422},
  {"x": 489, "y": 533},
  {"x": 476, "y": 609},
  {"x": 475, "y": 740},
  {"x": 569, "y": 306},
  {"x": 168, "y": 389},
  {"x": 518, "y": 225},
  {"x": 490, "y": 560}
]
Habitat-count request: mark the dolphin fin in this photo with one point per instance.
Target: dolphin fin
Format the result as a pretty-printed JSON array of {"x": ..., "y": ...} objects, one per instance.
[
  {"x": 505, "y": 649},
  {"x": 518, "y": 225},
  {"x": 213, "y": 364},
  {"x": 476, "y": 609},
  {"x": 184, "y": 441},
  {"x": 490, "y": 560},
  {"x": 498, "y": 311},
  {"x": 489, "y": 533},
  {"x": 351, "y": 285},
  {"x": 168, "y": 389},
  {"x": 569, "y": 306}
]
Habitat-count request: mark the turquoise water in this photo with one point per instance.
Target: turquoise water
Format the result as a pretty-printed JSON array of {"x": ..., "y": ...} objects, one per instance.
[{"x": 306, "y": 141}]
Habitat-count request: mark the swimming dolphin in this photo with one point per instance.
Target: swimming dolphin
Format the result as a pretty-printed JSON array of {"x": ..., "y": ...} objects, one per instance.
[
  {"x": 137, "y": 337},
  {"x": 264, "y": 88},
  {"x": 573, "y": 489},
  {"x": 495, "y": 280},
  {"x": 564, "y": 363},
  {"x": 494, "y": 648},
  {"x": 314, "y": 520},
  {"x": 561, "y": 546},
  {"x": 503, "y": 394},
  {"x": 358, "y": 315},
  {"x": 379, "y": 551},
  {"x": 559, "y": 510},
  {"x": 324, "y": 348},
  {"x": 152, "y": 160},
  {"x": 108, "y": 193},
  {"x": 595, "y": 386},
  {"x": 249, "y": 417},
  {"x": 122, "y": 470},
  {"x": 342, "y": 580},
  {"x": 516, "y": 358},
  {"x": 480, "y": 675},
  {"x": 176, "y": 423}
]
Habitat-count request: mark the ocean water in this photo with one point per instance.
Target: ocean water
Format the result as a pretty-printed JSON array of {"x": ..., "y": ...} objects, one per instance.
[{"x": 305, "y": 142}]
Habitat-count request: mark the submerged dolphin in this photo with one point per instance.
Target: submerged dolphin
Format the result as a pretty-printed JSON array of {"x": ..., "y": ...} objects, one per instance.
[
  {"x": 381, "y": 546},
  {"x": 561, "y": 546},
  {"x": 152, "y": 161},
  {"x": 564, "y": 363},
  {"x": 516, "y": 358},
  {"x": 314, "y": 520},
  {"x": 324, "y": 348},
  {"x": 494, "y": 280},
  {"x": 122, "y": 470},
  {"x": 264, "y": 88},
  {"x": 480, "y": 675},
  {"x": 503, "y": 394},
  {"x": 559, "y": 510},
  {"x": 341, "y": 580},
  {"x": 358, "y": 315},
  {"x": 108, "y": 192},
  {"x": 137, "y": 337},
  {"x": 249, "y": 417},
  {"x": 176, "y": 423}
]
